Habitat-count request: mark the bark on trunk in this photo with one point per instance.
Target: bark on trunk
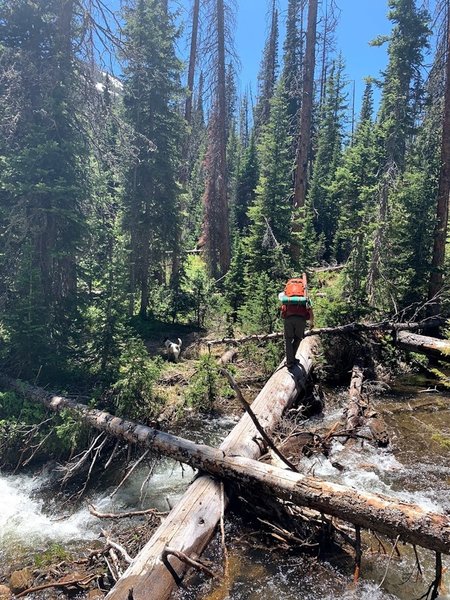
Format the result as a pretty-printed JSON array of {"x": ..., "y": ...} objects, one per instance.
[
  {"x": 424, "y": 345},
  {"x": 304, "y": 140},
  {"x": 373, "y": 511},
  {"x": 192, "y": 61},
  {"x": 440, "y": 233},
  {"x": 378, "y": 512}
]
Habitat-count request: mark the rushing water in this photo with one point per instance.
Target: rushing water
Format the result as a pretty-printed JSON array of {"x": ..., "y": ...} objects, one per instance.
[{"x": 415, "y": 468}]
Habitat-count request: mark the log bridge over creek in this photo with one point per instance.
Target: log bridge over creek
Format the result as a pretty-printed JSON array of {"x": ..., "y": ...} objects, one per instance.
[{"x": 189, "y": 527}]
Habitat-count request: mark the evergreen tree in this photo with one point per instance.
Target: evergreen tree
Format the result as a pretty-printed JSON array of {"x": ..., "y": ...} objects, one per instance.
[
  {"x": 270, "y": 215},
  {"x": 43, "y": 179},
  {"x": 293, "y": 60},
  {"x": 247, "y": 180},
  {"x": 267, "y": 76},
  {"x": 354, "y": 191},
  {"x": 329, "y": 149},
  {"x": 397, "y": 128},
  {"x": 151, "y": 94},
  {"x": 354, "y": 185},
  {"x": 216, "y": 232}
]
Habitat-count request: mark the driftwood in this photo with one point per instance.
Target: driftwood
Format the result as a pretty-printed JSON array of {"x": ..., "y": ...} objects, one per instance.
[
  {"x": 349, "y": 328},
  {"x": 424, "y": 345},
  {"x": 372, "y": 511}
]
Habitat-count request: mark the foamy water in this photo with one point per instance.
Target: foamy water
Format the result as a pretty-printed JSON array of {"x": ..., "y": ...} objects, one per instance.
[{"x": 25, "y": 522}]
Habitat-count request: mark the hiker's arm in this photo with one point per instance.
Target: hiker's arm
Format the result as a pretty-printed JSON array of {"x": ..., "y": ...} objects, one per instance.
[{"x": 311, "y": 318}]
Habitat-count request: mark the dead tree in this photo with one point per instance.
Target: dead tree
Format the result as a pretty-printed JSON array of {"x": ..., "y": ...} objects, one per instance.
[
  {"x": 304, "y": 140},
  {"x": 440, "y": 233}
]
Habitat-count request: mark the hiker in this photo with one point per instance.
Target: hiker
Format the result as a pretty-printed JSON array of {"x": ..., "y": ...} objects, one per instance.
[{"x": 295, "y": 309}]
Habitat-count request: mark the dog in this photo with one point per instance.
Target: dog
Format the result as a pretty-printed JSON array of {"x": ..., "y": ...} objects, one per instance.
[{"x": 173, "y": 350}]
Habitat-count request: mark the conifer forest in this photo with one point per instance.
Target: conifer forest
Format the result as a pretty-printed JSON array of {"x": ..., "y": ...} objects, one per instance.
[{"x": 153, "y": 205}]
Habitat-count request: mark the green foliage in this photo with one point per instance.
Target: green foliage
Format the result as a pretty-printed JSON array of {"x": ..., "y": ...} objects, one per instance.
[
  {"x": 43, "y": 184},
  {"x": 329, "y": 148},
  {"x": 52, "y": 555},
  {"x": 233, "y": 283},
  {"x": 70, "y": 432},
  {"x": 205, "y": 385},
  {"x": 260, "y": 313},
  {"x": 266, "y": 356},
  {"x": 133, "y": 392},
  {"x": 442, "y": 440},
  {"x": 246, "y": 183},
  {"x": 268, "y": 241},
  {"x": 151, "y": 195}
]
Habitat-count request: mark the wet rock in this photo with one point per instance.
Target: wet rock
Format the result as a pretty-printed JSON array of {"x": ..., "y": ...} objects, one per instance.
[
  {"x": 20, "y": 580},
  {"x": 5, "y": 592}
]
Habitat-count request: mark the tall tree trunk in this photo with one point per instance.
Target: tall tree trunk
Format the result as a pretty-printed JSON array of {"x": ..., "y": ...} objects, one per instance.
[
  {"x": 224, "y": 234},
  {"x": 192, "y": 61},
  {"x": 216, "y": 226},
  {"x": 440, "y": 233},
  {"x": 304, "y": 140}
]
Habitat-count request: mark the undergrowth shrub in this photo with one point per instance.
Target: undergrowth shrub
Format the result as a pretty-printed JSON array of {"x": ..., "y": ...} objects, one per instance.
[
  {"x": 133, "y": 391},
  {"x": 207, "y": 385}
]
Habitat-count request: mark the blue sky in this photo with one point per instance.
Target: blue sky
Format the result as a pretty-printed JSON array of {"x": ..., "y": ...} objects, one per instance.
[{"x": 360, "y": 21}]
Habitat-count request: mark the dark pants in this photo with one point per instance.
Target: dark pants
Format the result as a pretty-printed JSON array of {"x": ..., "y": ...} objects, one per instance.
[{"x": 294, "y": 332}]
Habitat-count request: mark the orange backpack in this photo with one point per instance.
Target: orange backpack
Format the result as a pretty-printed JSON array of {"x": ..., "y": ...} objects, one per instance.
[{"x": 296, "y": 287}]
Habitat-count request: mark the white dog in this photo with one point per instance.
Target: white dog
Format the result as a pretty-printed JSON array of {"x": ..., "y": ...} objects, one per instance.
[{"x": 173, "y": 350}]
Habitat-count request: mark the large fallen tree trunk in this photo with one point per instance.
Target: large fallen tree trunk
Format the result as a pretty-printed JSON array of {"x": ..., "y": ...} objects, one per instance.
[
  {"x": 378, "y": 512},
  {"x": 349, "y": 328},
  {"x": 191, "y": 524},
  {"x": 424, "y": 345}
]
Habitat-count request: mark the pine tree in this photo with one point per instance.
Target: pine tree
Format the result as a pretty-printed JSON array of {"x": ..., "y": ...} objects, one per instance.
[
  {"x": 216, "y": 232},
  {"x": 354, "y": 191},
  {"x": 268, "y": 73},
  {"x": 270, "y": 215},
  {"x": 354, "y": 187},
  {"x": 293, "y": 60},
  {"x": 442, "y": 206},
  {"x": 329, "y": 149},
  {"x": 43, "y": 179},
  {"x": 247, "y": 180},
  {"x": 151, "y": 94},
  {"x": 397, "y": 128}
]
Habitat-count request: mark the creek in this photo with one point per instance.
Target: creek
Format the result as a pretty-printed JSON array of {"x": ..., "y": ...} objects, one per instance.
[{"x": 415, "y": 468}]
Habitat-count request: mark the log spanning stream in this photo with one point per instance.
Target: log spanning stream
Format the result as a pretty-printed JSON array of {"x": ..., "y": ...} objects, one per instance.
[{"x": 416, "y": 469}]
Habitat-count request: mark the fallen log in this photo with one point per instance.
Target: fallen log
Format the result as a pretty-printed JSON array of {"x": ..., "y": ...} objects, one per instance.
[
  {"x": 191, "y": 524},
  {"x": 424, "y": 345},
  {"x": 359, "y": 413},
  {"x": 349, "y": 328},
  {"x": 356, "y": 404},
  {"x": 377, "y": 512}
]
